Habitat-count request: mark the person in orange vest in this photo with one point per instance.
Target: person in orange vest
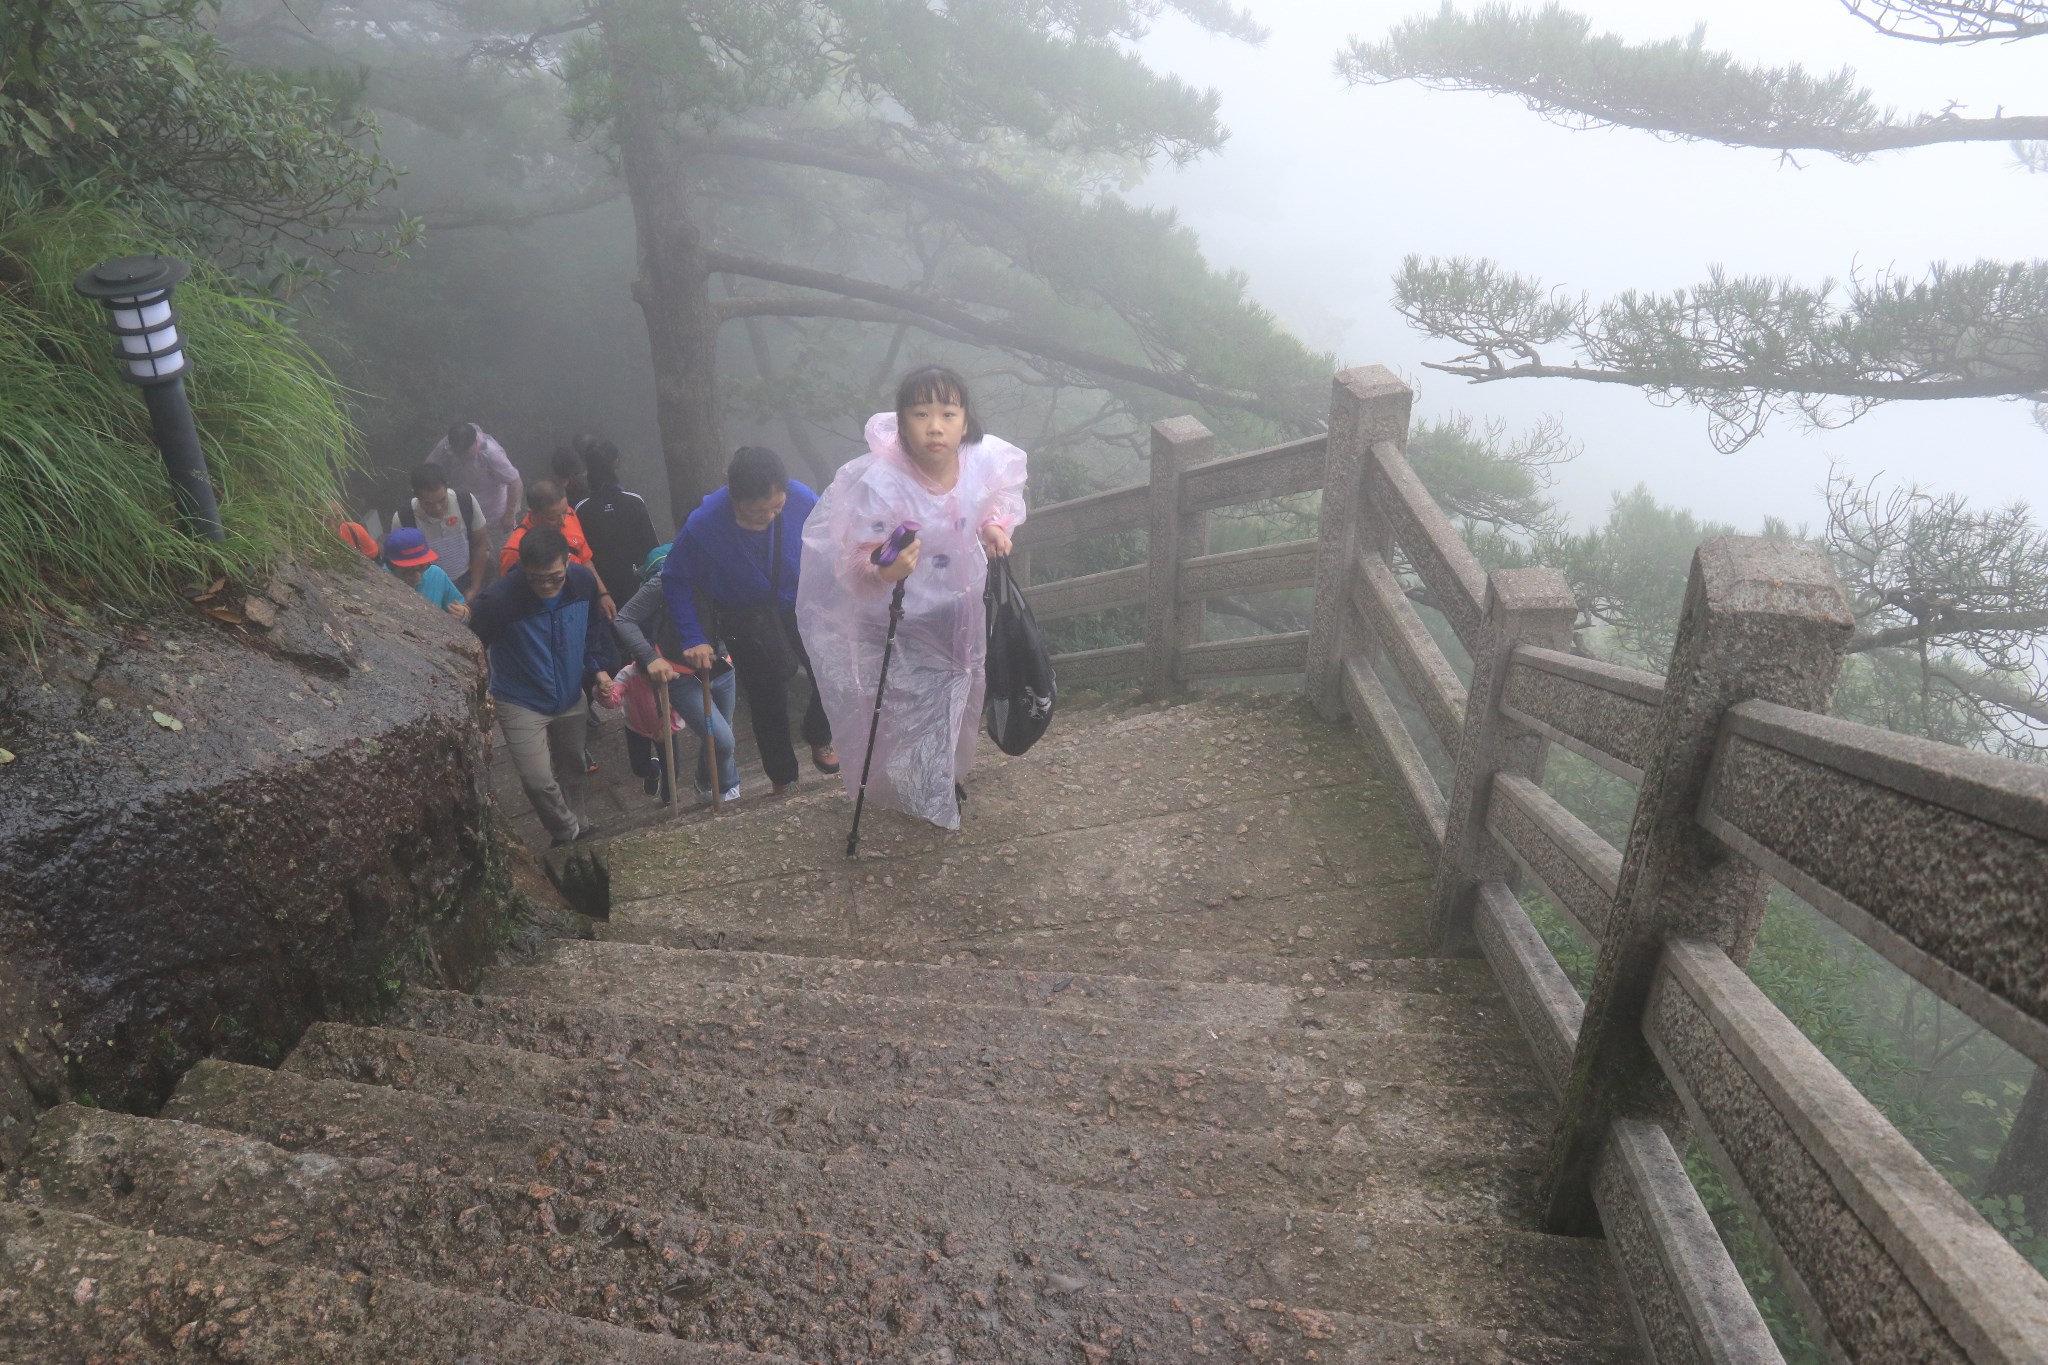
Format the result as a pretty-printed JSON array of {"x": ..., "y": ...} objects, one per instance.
[
  {"x": 547, "y": 506},
  {"x": 357, "y": 537}
]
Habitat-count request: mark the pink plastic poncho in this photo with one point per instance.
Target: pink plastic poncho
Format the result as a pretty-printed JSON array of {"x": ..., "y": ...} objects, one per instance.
[{"x": 933, "y": 707}]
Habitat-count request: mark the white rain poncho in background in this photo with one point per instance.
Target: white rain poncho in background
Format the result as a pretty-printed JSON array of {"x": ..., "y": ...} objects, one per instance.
[{"x": 932, "y": 710}]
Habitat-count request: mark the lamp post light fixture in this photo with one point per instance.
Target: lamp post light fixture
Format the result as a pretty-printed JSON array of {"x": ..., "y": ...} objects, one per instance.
[{"x": 136, "y": 292}]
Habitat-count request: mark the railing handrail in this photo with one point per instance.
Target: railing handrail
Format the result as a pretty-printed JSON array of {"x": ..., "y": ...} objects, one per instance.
[{"x": 1936, "y": 857}]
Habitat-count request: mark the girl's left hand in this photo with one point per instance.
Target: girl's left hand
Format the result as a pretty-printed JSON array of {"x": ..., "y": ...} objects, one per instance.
[{"x": 995, "y": 540}]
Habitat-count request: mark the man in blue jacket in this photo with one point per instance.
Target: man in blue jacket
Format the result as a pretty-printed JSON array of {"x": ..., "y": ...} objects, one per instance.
[
  {"x": 740, "y": 549},
  {"x": 537, "y": 624}
]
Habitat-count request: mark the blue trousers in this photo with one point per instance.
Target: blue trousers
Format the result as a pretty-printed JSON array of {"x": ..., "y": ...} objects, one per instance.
[{"x": 686, "y": 695}]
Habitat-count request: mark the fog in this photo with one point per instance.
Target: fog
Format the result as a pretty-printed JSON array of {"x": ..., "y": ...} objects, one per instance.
[{"x": 1323, "y": 188}]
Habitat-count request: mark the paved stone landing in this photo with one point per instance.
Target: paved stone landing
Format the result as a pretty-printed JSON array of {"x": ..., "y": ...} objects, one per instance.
[{"x": 1147, "y": 1063}]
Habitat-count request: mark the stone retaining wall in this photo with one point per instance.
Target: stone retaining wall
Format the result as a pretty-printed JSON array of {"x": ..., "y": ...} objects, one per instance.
[{"x": 212, "y": 834}]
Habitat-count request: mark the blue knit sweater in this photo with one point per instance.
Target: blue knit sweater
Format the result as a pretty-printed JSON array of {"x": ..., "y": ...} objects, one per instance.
[{"x": 730, "y": 566}]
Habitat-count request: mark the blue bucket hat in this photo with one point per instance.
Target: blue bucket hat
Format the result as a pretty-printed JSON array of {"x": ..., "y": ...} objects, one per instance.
[{"x": 651, "y": 565}]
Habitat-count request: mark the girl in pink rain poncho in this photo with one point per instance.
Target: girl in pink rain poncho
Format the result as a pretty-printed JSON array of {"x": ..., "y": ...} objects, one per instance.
[{"x": 927, "y": 462}]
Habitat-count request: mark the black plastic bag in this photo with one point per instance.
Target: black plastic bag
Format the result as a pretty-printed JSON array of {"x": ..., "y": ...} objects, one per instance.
[{"x": 1021, "y": 686}]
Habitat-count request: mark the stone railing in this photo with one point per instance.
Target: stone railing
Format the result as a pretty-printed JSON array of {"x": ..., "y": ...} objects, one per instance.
[{"x": 1934, "y": 856}]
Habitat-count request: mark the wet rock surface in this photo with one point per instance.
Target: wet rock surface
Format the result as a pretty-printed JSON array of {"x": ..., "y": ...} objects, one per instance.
[
  {"x": 212, "y": 834},
  {"x": 1145, "y": 1064}
]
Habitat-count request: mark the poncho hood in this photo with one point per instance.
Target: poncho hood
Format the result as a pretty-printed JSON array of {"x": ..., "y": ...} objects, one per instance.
[{"x": 885, "y": 444}]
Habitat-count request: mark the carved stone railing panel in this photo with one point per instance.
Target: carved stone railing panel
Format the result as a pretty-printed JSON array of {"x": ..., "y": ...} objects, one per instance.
[
  {"x": 1579, "y": 870},
  {"x": 1935, "y": 856},
  {"x": 1892, "y": 1260},
  {"x": 1391, "y": 620},
  {"x": 1600, "y": 711}
]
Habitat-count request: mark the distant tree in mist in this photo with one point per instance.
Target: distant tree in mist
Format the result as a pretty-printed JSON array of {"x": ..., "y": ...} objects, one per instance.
[
  {"x": 1951, "y": 602},
  {"x": 915, "y": 173},
  {"x": 1742, "y": 348}
]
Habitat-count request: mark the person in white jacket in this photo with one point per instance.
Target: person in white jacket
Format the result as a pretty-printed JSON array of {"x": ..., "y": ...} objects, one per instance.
[{"x": 929, "y": 462}]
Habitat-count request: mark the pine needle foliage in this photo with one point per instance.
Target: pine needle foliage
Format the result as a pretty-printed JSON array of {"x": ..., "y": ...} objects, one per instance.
[{"x": 86, "y": 514}]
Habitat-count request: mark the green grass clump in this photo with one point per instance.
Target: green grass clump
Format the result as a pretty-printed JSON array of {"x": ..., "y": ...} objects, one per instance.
[{"x": 86, "y": 515}]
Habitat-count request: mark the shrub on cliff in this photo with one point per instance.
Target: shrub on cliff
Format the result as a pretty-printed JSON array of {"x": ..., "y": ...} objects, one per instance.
[{"x": 86, "y": 516}]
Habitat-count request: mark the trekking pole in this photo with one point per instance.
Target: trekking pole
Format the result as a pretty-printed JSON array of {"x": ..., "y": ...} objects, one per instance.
[
  {"x": 668, "y": 751},
  {"x": 875, "y": 723},
  {"x": 884, "y": 555},
  {"x": 711, "y": 748}
]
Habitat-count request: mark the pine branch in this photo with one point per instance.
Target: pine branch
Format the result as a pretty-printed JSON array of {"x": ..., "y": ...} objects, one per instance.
[
  {"x": 903, "y": 305},
  {"x": 851, "y": 310},
  {"x": 2000, "y": 694},
  {"x": 525, "y": 51},
  {"x": 1744, "y": 348},
  {"x": 1483, "y": 369},
  {"x": 869, "y": 164},
  {"x": 1676, "y": 88},
  {"x": 1947, "y": 22},
  {"x": 1949, "y": 623}
]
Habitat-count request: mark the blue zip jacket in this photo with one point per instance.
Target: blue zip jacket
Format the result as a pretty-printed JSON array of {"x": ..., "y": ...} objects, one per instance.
[
  {"x": 542, "y": 650},
  {"x": 730, "y": 566}
]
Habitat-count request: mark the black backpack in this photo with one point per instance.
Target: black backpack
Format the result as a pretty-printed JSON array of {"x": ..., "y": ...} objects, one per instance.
[{"x": 1021, "y": 686}]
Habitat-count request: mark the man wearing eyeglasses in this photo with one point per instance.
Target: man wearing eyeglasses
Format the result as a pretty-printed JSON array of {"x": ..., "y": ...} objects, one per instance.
[{"x": 540, "y": 625}]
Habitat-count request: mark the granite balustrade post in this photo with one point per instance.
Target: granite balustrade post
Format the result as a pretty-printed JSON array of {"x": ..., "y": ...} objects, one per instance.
[
  {"x": 1523, "y": 606},
  {"x": 1763, "y": 619},
  {"x": 1177, "y": 443},
  {"x": 1367, "y": 405}
]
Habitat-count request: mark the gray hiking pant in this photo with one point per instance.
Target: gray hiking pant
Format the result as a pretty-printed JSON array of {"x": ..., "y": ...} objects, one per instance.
[{"x": 547, "y": 751}]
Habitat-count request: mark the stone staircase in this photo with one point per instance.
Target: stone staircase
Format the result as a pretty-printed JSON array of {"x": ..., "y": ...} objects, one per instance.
[{"x": 1145, "y": 1064}]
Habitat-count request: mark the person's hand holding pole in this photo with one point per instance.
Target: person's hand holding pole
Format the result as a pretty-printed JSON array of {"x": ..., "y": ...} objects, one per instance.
[
  {"x": 662, "y": 671},
  {"x": 697, "y": 658},
  {"x": 906, "y": 560}
]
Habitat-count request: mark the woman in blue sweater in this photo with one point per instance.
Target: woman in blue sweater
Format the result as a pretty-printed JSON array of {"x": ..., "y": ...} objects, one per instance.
[{"x": 738, "y": 553}]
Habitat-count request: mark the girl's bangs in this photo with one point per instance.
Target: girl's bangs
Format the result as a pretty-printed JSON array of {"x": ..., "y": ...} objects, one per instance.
[{"x": 932, "y": 389}]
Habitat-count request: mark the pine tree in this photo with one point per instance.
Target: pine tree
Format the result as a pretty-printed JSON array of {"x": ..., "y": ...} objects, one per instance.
[
  {"x": 1742, "y": 348},
  {"x": 799, "y": 172}
]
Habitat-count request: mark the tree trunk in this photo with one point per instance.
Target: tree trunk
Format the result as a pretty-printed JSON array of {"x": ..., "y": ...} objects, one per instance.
[
  {"x": 673, "y": 288},
  {"x": 2022, "y": 1166}
]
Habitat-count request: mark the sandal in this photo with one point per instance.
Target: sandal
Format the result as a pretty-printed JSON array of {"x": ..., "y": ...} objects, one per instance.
[{"x": 824, "y": 759}]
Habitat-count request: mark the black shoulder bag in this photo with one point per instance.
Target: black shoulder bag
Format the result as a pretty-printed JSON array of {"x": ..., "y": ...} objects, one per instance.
[{"x": 760, "y": 634}]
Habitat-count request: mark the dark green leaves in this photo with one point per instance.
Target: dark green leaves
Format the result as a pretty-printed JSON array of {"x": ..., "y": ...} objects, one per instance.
[{"x": 142, "y": 95}]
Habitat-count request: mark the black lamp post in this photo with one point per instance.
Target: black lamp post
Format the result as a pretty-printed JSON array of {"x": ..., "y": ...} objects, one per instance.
[{"x": 136, "y": 291}]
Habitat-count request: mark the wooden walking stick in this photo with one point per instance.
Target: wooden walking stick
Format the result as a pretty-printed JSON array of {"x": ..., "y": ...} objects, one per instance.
[
  {"x": 711, "y": 748},
  {"x": 668, "y": 751}
]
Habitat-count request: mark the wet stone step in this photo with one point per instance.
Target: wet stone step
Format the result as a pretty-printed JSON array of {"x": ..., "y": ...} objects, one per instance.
[
  {"x": 1379, "y": 1162},
  {"x": 814, "y": 915},
  {"x": 1083, "y": 774},
  {"x": 1415, "y": 975},
  {"x": 1178, "y": 861},
  {"x": 1430, "y": 1049},
  {"x": 1245, "y": 1006},
  {"x": 671, "y": 1273},
  {"x": 1285, "y": 1094},
  {"x": 75, "y": 1289},
  {"x": 1423, "y": 1273}
]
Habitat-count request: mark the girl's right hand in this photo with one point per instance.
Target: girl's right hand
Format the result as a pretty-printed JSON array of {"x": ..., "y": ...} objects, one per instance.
[{"x": 906, "y": 560}]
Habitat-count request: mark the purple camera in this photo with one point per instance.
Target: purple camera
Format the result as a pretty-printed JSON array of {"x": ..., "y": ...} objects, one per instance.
[{"x": 899, "y": 540}]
